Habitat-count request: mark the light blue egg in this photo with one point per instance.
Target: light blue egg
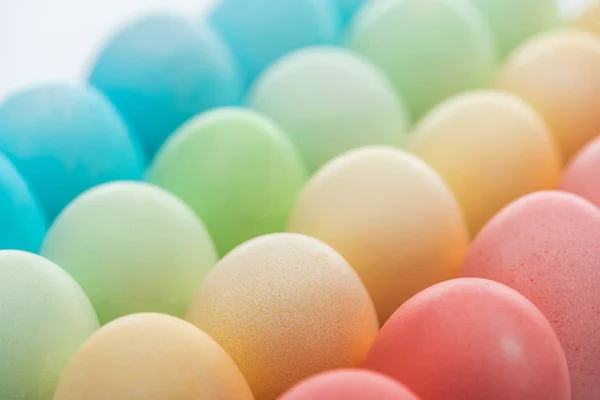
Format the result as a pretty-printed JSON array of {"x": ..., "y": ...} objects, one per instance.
[
  {"x": 161, "y": 70},
  {"x": 347, "y": 9},
  {"x": 261, "y": 31},
  {"x": 65, "y": 139},
  {"x": 22, "y": 221}
]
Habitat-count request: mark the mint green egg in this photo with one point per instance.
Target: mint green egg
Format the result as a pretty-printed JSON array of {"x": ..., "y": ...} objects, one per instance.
[
  {"x": 236, "y": 169},
  {"x": 430, "y": 49},
  {"x": 132, "y": 247},
  {"x": 329, "y": 101},
  {"x": 44, "y": 318}
]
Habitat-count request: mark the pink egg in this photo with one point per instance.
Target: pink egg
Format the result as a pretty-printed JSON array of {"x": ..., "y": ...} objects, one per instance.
[
  {"x": 472, "y": 338},
  {"x": 547, "y": 246},
  {"x": 582, "y": 176},
  {"x": 349, "y": 384}
]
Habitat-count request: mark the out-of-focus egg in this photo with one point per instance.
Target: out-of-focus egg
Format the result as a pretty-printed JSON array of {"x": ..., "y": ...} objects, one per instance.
[
  {"x": 546, "y": 246},
  {"x": 490, "y": 148},
  {"x": 348, "y": 384},
  {"x": 285, "y": 307},
  {"x": 515, "y": 21},
  {"x": 44, "y": 318},
  {"x": 472, "y": 339},
  {"x": 22, "y": 221},
  {"x": 582, "y": 176},
  {"x": 236, "y": 169},
  {"x": 390, "y": 216},
  {"x": 152, "y": 356},
  {"x": 133, "y": 248},
  {"x": 559, "y": 75},
  {"x": 430, "y": 49},
  {"x": 66, "y": 139},
  {"x": 329, "y": 101},
  {"x": 162, "y": 70},
  {"x": 589, "y": 19},
  {"x": 261, "y": 31},
  {"x": 347, "y": 9}
]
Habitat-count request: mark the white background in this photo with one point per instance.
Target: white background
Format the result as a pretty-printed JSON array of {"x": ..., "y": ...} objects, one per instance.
[{"x": 43, "y": 40}]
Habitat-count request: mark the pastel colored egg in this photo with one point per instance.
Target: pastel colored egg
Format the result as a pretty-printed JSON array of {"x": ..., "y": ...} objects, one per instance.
[
  {"x": 490, "y": 148},
  {"x": 261, "y": 31},
  {"x": 161, "y": 70},
  {"x": 589, "y": 19},
  {"x": 546, "y": 246},
  {"x": 430, "y": 49},
  {"x": 347, "y": 9},
  {"x": 559, "y": 75},
  {"x": 472, "y": 339},
  {"x": 330, "y": 101},
  {"x": 515, "y": 21},
  {"x": 152, "y": 356},
  {"x": 582, "y": 175},
  {"x": 390, "y": 216},
  {"x": 22, "y": 220},
  {"x": 285, "y": 307},
  {"x": 44, "y": 318},
  {"x": 348, "y": 384},
  {"x": 133, "y": 248},
  {"x": 65, "y": 139},
  {"x": 236, "y": 169}
]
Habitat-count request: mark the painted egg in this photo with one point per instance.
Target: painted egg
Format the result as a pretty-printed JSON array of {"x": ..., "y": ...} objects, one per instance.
[{"x": 582, "y": 175}]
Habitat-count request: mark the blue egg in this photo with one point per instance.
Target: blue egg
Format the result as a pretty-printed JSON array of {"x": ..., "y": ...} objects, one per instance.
[
  {"x": 261, "y": 31},
  {"x": 348, "y": 9},
  {"x": 22, "y": 221},
  {"x": 161, "y": 70},
  {"x": 65, "y": 139}
]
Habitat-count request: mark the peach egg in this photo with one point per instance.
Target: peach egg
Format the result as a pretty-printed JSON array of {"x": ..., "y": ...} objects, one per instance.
[{"x": 582, "y": 176}]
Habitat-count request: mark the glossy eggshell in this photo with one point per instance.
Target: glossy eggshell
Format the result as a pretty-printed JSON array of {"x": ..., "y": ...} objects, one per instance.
[
  {"x": 559, "y": 75},
  {"x": 329, "y": 101},
  {"x": 490, "y": 148},
  {"x": 22, "y": 221},
  {"x": 472, "y": 339},
  {"x": 390, "y": 216},
  {"x": 546, "y": 246},
  {"x": 64, "y": 140},
  {"x": 152, "y": 356},
  {"x": 133, "y": 247},
  {"x": 161, "y": 70},
  {"x": 236, "y": 169},
  {"x": 44, "y": 318},
  {"x": 348, "y": 384},
  {"x": 430, "y": 49},
  {"x": 285, "y": 307},
  {"x": 582, "y": 175}
]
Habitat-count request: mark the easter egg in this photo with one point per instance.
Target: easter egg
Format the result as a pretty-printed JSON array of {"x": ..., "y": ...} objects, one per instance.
[
  {"x": 236, "y": 169},
  {"x": 559, "y": 75},
  {"x": 329, "y": 101},
  {"x": 161, "y": 70},
  {"x": 65, "y": 139},
  {"x": 546, "y": 246},
  {"x": 151, "y": 356},
  {"x": 22, "y": 220},
  {"x": 430, "y": 49},
  {"x": 589, "y": 19},
  {"x": 515, "y": 21},
  {"x": 348, "y": 384},
  {"x": 261, "y": 31},
  {"x": 285, "y": 307},
  {"x": 44, "y": 318},
  {"x": 582, "y": 176},
  {"x": 133, "y": 248},
  {"x": 490, "y": 148},
  {"x": 472, "y": 339},
  {"x": 390, "y": 216},
  {"x": 347, "y": 9}
]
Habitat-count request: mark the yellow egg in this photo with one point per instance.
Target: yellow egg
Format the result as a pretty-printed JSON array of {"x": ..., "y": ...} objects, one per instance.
[
  {"x": 151, "y": 357},
  {"x": 285, "y": 307},
  {"x": 559, "y": 75},
  {"x": 490, "y": 148},
  {"x": 390, "y": 216},
  {"x": 589, "y": 19}
]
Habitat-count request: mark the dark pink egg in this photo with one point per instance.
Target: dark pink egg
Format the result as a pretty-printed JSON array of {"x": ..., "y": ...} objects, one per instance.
[
  {"x": 582, "y": 176},
  {"x": 547, "y": 246},
  {"x": 349, "y": 384},
  {"x": 472, "y": 338}
]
